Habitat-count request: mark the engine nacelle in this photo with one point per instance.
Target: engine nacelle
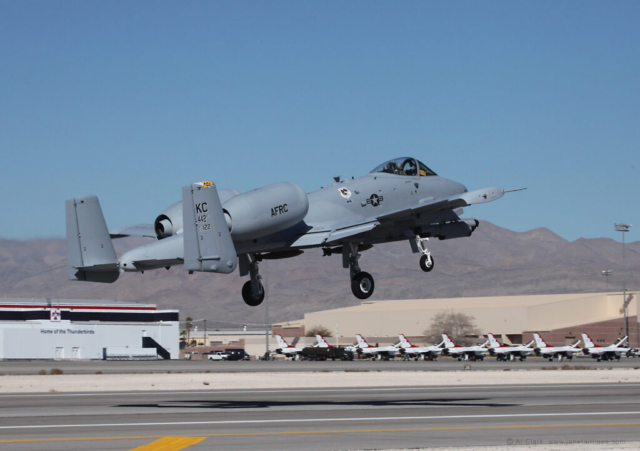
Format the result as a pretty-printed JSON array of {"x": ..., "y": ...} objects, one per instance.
[
  {"x": 267, "y": 210},
  {"x": 449, "y": 230},
  {"x": 169, "y": 222}
]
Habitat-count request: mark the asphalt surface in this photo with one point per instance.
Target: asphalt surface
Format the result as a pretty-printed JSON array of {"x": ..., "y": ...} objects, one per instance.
[
  {"x": 323, "y": 419},
  {"x": 194, "y": 366}
]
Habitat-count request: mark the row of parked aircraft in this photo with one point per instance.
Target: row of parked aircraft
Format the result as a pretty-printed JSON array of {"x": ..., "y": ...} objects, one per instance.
[{"x": 447, "y": 347}]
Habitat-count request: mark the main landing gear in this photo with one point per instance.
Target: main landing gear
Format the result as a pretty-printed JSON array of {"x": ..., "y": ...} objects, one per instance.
[
  {"x": 426, "y": 261},
  {"x": 362, "y": 284},
  {"x": 252, "y": 291}
]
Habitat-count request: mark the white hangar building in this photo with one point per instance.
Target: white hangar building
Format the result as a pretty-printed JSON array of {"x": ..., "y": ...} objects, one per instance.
[{"x": 86, "y": 329}]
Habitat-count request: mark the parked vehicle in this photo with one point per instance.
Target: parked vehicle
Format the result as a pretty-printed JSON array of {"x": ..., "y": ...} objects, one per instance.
[
  {"x": 218, "y": 355},
  {"x": 237, "y": 354},
  {"x": 316, "y": 353}
]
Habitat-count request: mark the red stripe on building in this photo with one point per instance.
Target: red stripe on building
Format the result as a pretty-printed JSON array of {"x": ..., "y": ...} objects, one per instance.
[{"x": 76, "y": 307}]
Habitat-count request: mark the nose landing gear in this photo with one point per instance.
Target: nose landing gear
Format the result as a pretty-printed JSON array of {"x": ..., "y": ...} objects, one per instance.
[{"x": 426, "y": 261}]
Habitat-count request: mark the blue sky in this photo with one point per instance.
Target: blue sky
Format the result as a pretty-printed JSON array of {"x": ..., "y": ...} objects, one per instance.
[{"x": 133, "y": 100}]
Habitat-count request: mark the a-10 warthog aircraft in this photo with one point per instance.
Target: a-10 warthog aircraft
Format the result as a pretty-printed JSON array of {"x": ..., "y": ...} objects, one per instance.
[{"x": 215, "y": 230}]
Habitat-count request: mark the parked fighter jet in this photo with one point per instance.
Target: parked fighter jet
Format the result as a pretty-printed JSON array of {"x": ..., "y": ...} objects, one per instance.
[
  {"x": 286, "y": 349},
  {"x": 410, "y": 350},
  {"x": 549, "y": 352},
  {"x": 378, "y": 352},
  {"x": 463, "y": 352},
  {"x": 505, "y": 353},
  {"x": 614, "y": 351},
  {"x": 213, "y": 230}
]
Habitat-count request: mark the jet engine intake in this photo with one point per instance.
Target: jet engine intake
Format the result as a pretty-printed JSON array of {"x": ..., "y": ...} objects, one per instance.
[
  {"x": 266, "y": 210},
  {"x": 169, "y": 222}
]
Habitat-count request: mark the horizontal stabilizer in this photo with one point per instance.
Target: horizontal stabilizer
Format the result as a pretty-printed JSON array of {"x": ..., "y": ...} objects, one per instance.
[
  {"x": 208, "y": 246},
  {"x": 143, "y": 230},
  {"x": 90, "y": 253}
]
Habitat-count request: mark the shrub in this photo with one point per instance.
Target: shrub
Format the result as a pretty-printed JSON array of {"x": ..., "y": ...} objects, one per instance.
[
  {"x": 460, "y": 327},
  {"x": 319, "y": 330}
]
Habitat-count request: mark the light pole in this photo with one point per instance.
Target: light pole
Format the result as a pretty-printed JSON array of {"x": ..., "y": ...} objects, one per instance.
[
  {"x": 266, "y": 311},
  {"x": 623, "y": 228}
]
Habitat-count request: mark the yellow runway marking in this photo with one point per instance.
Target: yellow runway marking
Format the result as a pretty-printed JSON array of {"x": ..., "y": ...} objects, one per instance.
[
  {"x": 346, "y": 431},
  {"x": 170, "y": 444}
]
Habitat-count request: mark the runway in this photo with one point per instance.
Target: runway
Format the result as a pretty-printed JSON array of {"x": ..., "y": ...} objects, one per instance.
[
  {"x": 322, "y": 419},
  {"x": 25, "y": 367}
]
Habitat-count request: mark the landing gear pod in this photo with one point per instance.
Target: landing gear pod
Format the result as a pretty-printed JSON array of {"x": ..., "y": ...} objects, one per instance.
[{"x": 208, "y": 246}]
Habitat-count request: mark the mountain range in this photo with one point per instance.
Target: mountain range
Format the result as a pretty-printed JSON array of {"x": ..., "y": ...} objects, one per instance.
[{"x": 493, "y": 261}]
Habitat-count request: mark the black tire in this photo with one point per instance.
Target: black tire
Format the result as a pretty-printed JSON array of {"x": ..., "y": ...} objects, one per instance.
[
  {"x": 248, "y": 296},
  {"x": 423, "y": 263},
  {"x": 362, "y": 285}
]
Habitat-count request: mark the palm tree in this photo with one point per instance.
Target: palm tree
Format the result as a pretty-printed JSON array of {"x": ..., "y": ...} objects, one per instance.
[{"x": 188, "y": 325}]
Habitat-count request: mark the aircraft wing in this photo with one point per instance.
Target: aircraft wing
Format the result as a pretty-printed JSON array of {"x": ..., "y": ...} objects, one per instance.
[
  {"x": 431, "y": 205},
  {"x": 339, "y": 232},
  {"x": 144, "y": 230}
]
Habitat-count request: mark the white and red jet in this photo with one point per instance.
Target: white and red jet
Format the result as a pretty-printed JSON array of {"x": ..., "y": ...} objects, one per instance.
[
  {"x": 286, "y": 349},
  {"x": 410, "y": 350},
  {"x": 611, "y": 352},
  {"x": 378, "y": 352},
  {"x": 505, "y": 353},
  {"x": 463, "y": 352},
  {"x": 549, "y": 352}
]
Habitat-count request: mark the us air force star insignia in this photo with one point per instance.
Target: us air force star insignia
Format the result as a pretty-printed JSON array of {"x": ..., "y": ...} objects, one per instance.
[
  {"x": 375, "y": 200},
  {"x": 344, "y": 192}
]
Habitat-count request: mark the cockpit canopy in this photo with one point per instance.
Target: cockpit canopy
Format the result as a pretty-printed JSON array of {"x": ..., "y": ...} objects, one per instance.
[{"x": 404, "y": 166}]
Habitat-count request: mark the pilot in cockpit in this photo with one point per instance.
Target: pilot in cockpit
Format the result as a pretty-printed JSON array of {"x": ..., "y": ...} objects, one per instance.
[
  {"x": 404, "y": 166},
  {"x": 391, "y": 168},
  {"x": 409, "y": 167}
]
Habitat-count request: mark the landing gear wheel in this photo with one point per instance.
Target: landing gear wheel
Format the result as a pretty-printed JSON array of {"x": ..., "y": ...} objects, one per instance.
[
  {"x": 424, "y": 263},
  {"x": 249, "y": 297},
  {"x": 362, "y": 285}
]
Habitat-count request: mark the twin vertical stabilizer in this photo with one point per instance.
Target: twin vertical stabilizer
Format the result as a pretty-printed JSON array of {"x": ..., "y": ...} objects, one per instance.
[
  {"x": 208, "y": 246},
  {"x": 90, "y": 253}
]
